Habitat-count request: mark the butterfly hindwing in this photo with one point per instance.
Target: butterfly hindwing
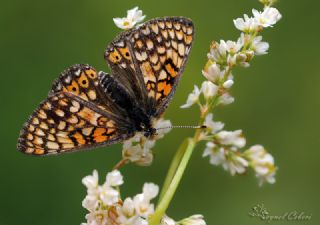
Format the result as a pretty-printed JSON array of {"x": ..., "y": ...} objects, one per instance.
[{"x": 65, "y": 123}]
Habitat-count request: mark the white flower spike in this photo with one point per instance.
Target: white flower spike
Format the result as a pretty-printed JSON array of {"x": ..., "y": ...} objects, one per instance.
[{"x": 134, "y": 16}]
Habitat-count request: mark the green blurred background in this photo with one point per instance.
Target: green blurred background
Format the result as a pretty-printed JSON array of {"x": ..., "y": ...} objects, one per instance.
[{"x": 277, "y": 104}]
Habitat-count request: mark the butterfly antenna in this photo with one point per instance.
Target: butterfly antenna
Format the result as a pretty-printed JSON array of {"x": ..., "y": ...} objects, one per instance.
[{"x": 186, "y": 127}]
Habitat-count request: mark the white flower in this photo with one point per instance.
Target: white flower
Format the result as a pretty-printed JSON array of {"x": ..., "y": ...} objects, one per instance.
[
  {"x": 138, "y": 155},
  {"x": 232, "y": 47},
  {"x": 262, "y": 162},
  {"x": 226, "y": 99},
  {"x": 246, "y": 24},
  {"x": 228, "y": 84},
  {"x": 209, "y": 89},
  {"x": 163, "y": 127},
  {"x": 99, "y": 217},
  {"x": 213, "y": 126},
  {"x": 91, "y": 201},
  {"x": 218, "y": 52},
  {"x": 150, "y": 190},
  {"x": 114, "y": 178},
  {"x": 268, "y": 17},
  {"x": 134, "y": 16},
  {"x": 142, "y": 206},
  {"x": 193, "y": 220},
  {"x": 91, "y": 181},
  {"x": 167, "y": 221},
  {"x": 258, "y": 46},
  {"x": 216, "y": 154},
  {"x": 192, "y": 98},
  {"x": 213, "y": 73},
  {"x": 233, "y": 138},
  {"x": 235, "y": 164},
  {"x": 109, "y": 195}
]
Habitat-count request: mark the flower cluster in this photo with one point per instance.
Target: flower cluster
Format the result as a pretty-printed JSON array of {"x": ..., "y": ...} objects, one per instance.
[
  {"x": 138, "y": 148},
  {"x": 106, "y": 207},
  {"x": 225, "y": 147}
]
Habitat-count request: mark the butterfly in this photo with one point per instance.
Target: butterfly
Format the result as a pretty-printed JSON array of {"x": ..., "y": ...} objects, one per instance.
[{"x": 86, "y": 109}]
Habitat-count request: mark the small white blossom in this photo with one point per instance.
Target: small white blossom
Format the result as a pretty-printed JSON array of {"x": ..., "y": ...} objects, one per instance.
[
  {"x": 99, "y": 217},
  {"x": 108, "y": 195},
  {"x": 228, "y": 84},
  {"x": 209, "y": 89},
  {"x": 262, "y": 162},
  {"x": 216, "y": 154},
  {"x": 226, "y": 99},
  {"x": 212, "y": 126},
  {"x": 143, "y": 206},
  {"x": 232, "y": 47},
  {"x": 134, "y": 16},
  {"x": 231, "y": 138},
  {"x": 114, "y": 178},
  {"x": 150, "y": 190},
  {"x": 268, "y": 17},
  {"x": 213, "y": 73},
  {"x": 167, "y": 221},
  {"x": 229, "y": 160},
  {"x": 235, "y": 164},
  {"x": 258, "y": 46},
  {"x": 246, "y": 24},
  {"x": 192, "y": 98},
  {"x": 242, "y": 59},
  {"x": 193, "y": 220},
  {"x": 91, "y": 181},
  {"x": 163, "y": 127},
  {"x": 137, "y": 154},
  {"x": 218, "y": 52}
]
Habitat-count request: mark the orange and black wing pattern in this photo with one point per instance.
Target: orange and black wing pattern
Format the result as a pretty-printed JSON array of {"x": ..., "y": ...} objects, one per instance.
[
  {"x": 157, "y": 52},
  {"x": 66, "y": 123},
  {"x": 76, "y": 115}
]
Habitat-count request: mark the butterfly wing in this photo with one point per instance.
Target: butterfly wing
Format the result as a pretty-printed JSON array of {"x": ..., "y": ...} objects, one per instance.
[
  {"x": 76, "y": 115},
  {"x": 158, "y": 51}
]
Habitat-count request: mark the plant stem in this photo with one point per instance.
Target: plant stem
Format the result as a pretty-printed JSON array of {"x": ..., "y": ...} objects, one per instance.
[
  {"x": 173, "y": 167},
  {"x": 167, "y": 197}
]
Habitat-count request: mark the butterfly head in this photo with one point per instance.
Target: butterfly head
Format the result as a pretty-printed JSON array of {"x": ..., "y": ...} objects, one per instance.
[{"x": 150, "y": 132}]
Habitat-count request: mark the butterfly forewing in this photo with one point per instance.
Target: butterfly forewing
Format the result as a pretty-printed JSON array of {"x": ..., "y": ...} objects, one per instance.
[{"x": 157, "y": 51}]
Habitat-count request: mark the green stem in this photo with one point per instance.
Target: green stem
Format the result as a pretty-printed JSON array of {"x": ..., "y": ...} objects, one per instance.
[
  {"x": 167, "y": 197},
  {"x": 173, "y": 167}
]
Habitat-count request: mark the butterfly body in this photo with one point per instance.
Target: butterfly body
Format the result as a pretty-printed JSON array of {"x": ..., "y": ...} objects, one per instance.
[{"x": 86, "y": 109}]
